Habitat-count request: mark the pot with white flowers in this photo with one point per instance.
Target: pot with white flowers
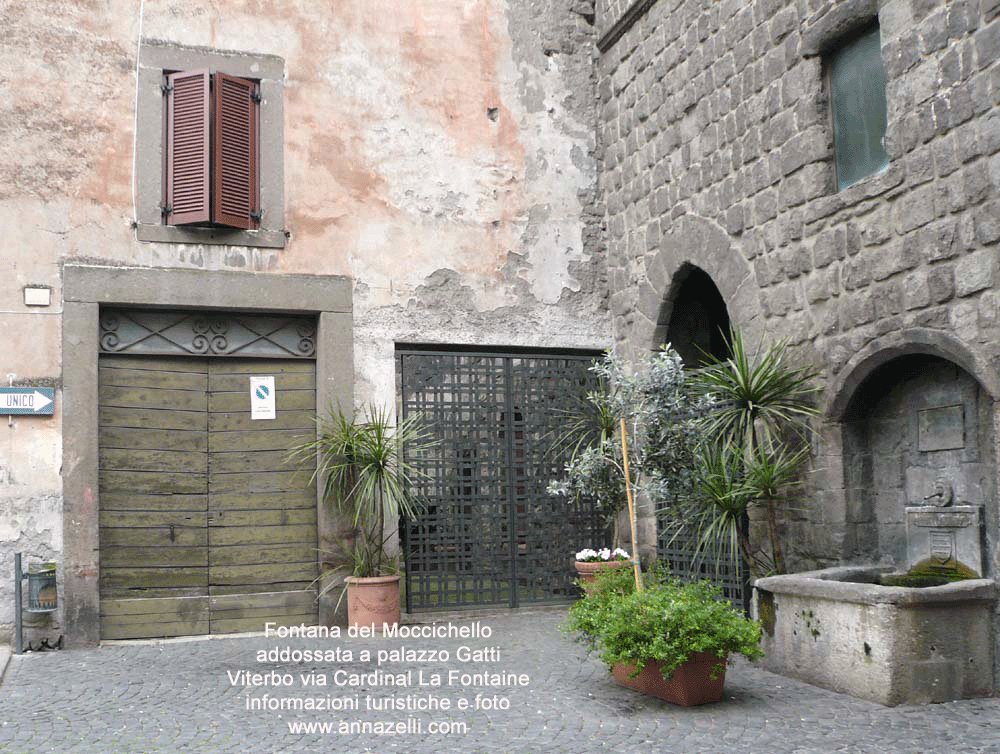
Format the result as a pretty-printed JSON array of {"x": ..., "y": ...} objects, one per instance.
[{"x": 590, "y": 562}]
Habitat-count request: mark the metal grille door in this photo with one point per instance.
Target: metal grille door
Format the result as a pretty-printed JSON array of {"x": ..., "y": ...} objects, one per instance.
[
  {"x": 489, "y": 533},
  {"x": 729, "y": 574}
]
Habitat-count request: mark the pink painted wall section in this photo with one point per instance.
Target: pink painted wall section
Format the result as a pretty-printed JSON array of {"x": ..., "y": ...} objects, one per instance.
[
  {"x": 411, "y": 139},
  {"x": 441, "y": 153}
]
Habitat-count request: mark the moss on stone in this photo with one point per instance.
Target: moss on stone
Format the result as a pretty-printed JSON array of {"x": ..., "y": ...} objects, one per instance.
[{"x": 929, "y": 573}]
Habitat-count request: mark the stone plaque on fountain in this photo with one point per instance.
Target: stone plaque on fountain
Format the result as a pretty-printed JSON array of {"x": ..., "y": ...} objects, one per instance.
[{"x": 943, "y": 537}]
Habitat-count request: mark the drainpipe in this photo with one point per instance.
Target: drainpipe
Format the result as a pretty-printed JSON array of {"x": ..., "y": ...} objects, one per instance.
[{"x": 17, "y": 603}]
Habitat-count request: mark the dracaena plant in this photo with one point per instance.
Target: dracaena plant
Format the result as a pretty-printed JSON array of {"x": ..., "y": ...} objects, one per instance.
[
  {"x": 367, "y": 471},
  {"x": 754, "y": 444}
]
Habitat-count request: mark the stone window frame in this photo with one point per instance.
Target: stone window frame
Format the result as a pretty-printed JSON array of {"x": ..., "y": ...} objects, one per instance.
[
  {"x": 822, "y": 34},
  {"x": 863, "y": 168},
  {"x": 156, "y": 59}
]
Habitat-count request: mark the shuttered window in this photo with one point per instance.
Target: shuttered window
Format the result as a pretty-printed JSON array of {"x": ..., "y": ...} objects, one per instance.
[
  {"x": 188, "y": 148},
  {"x": 211, "y": 171},
  {"x": 234, "y": 138}
]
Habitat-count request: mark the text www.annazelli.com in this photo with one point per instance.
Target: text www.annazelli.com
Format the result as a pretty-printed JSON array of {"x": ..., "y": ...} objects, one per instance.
[{"x": 410, "y": 726}]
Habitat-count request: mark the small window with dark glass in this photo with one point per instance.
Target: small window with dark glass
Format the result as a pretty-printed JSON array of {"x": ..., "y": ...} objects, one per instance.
[{"x": 857, "y": 89}]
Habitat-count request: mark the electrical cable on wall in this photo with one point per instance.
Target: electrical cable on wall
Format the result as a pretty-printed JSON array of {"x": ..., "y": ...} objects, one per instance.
[{"x": 135, "y": 118}]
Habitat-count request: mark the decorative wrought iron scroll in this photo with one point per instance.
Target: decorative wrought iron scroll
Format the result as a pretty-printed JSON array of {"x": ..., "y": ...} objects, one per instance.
[
  {"x": 489, "y": 533},
  {"x": 142, "y": 331}
]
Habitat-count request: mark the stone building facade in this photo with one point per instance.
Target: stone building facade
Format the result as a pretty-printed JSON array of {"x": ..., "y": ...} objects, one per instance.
[
  {"x": 718, "y": 151},
  {"x": 427, "y": 176}
]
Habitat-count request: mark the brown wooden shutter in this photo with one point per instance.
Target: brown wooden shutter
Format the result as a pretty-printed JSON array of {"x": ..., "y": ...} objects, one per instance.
[
  {"x": 187, "y": 153},
  {"x": 235, "y": 189}
]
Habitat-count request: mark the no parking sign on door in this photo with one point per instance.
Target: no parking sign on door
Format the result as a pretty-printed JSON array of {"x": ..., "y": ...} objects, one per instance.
[{"x": 262, "y": 397}]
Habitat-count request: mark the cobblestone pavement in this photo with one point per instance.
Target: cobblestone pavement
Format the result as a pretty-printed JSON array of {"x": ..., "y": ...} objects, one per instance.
[{"x": 188, "y": 696}]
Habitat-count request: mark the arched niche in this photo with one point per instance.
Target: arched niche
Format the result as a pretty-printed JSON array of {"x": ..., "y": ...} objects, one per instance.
[
  {"x": 694, "y": 318},
  {"x": 911, "y": 414}
]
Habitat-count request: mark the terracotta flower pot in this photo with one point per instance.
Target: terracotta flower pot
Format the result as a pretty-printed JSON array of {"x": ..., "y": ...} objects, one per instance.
[
  {"x": 690, "y": 685},
  {"x": 372, "y": 600},
  {"x": 587, "y": 570}
]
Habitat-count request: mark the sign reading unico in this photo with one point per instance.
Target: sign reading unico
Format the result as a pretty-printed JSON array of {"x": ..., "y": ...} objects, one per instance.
[{"x": 36, "y": 401}]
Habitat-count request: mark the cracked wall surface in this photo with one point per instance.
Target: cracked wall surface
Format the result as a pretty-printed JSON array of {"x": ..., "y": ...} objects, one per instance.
[{"x": 440, "y": 153}]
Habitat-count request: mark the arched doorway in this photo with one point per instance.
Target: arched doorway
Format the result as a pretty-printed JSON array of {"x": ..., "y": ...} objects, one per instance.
[{"x": 694, "y": 318}]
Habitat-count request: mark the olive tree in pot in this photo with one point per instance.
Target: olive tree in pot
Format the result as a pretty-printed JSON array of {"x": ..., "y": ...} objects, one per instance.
[
  {"x": 661, "y": 415},
  {"x": 365, "y": 464}
]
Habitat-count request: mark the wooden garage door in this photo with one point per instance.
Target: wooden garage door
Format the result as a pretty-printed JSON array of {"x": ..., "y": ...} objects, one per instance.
[{"x": 204, "y": 526}]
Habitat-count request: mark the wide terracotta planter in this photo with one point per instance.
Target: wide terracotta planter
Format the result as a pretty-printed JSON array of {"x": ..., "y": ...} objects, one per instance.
[
  {"x": 690, "y": 685},
  {"x": 372, "y": 600},
  {"x": 587, "y": 570}
]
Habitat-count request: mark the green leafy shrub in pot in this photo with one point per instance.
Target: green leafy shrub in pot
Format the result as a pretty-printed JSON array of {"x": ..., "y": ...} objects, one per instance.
[
  {"x": 668, "y": 622},
  {"x": 587, "y": 615}
]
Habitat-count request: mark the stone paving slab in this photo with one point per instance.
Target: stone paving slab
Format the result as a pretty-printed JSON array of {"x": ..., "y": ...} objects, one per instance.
[{"x": 187, "y": 696}]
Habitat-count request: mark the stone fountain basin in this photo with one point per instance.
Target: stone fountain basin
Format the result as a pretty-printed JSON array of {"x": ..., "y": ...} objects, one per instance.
[{"x": 838, "y": 629}]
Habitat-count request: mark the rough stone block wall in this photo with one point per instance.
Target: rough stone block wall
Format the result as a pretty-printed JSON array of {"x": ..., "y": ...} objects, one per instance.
[{"x": 715, "y": 124}]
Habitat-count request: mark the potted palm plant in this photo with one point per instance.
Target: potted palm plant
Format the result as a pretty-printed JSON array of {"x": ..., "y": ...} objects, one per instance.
[
  {"x": 755, "y": 443},
  {"x": 367, "y": 472}
]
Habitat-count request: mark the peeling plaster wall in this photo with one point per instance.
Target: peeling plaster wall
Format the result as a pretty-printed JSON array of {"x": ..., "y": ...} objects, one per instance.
[
  {"x": 496, "y": 244},
  {"x": 439, "y": 152},
  {"x": 31, "y": 504}
]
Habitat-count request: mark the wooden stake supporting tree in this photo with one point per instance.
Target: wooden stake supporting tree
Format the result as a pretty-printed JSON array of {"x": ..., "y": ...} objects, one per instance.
[{"x": 631, "y": 508}]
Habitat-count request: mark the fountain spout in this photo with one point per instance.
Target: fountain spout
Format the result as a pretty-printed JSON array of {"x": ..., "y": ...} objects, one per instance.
[
  {"x": 943, "y": 538},
  {"x": 943, "y": 494}
]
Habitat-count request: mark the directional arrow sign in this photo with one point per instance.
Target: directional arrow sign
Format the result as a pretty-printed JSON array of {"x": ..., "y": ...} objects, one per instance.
[{"x": 38, "y": 401}]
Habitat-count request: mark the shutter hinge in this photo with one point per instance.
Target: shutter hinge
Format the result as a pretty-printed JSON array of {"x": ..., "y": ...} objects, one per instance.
[
  {"x": 166, "y": 209},
  {"x": 256, "y": 215},
  {"x": 255, "y": 96},
  {"x": 167, "y": 87}
]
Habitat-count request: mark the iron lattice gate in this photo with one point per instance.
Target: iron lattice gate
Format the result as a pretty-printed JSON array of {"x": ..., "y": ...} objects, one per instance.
[
  {"x": 489, "y": 533},
  {"x": 676, "y": 552}
]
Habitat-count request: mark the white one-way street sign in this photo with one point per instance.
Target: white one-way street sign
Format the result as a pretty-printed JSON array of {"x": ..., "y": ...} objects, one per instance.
[{"x": 38, "y": 401}]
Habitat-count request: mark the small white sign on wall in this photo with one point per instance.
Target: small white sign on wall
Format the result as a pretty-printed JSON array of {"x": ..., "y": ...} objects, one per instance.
[{"x": 262, "y": 397}]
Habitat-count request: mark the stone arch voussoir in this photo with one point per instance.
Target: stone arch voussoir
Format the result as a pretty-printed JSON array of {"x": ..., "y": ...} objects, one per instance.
[
  {"x": 844, "y": 385},
  {"x": 697, "y": 242}
]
